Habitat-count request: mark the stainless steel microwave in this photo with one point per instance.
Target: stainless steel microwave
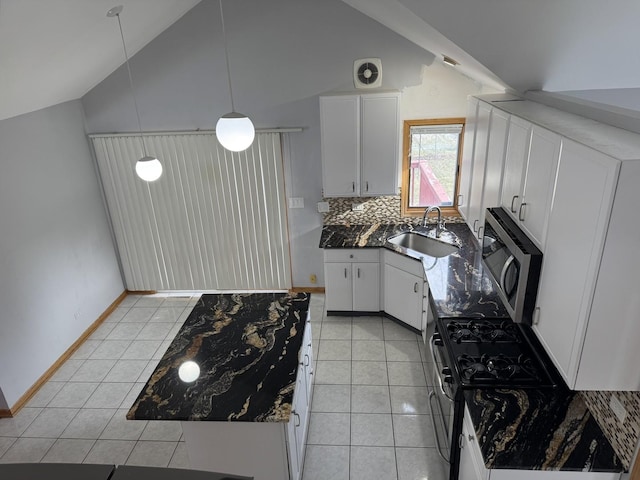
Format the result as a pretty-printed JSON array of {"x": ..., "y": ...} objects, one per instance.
[{"x": 513, "y": 261}]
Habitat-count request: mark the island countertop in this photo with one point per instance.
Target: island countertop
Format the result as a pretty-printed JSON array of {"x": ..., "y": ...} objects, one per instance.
[{"x": 246, "y": 348}]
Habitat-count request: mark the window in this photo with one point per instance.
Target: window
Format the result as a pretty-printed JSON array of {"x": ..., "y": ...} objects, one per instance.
[{"x": 430, "y": 166}]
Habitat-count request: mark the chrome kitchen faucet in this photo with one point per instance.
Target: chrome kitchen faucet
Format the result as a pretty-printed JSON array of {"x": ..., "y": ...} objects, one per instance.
[{"x": 439, "y": 225}]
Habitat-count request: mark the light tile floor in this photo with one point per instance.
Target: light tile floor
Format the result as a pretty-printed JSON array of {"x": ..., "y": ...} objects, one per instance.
[{"x": 369, "y": 416}]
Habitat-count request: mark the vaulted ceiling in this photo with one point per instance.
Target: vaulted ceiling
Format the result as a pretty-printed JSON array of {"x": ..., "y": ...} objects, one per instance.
[{"x": 56, "y": 50}]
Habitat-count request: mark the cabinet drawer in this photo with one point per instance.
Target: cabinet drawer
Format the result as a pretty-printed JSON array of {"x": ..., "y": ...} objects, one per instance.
[
  {"x": 366, "y": 255},
  {"x": 409, "y": 265}
]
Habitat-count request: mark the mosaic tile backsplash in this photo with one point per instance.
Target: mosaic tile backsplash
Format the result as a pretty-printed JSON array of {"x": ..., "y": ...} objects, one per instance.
[
  {"x": 623, "y": 436},
  {"x": 375, "y": 210}
]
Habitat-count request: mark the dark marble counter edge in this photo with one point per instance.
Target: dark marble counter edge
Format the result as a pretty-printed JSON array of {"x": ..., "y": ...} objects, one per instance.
[
  {"x": 539, "y": 430},
  {"x": 246, "y": 346}
]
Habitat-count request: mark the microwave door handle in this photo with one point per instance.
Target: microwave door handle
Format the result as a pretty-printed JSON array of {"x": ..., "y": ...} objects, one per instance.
[{"x": 503, "y": 273}]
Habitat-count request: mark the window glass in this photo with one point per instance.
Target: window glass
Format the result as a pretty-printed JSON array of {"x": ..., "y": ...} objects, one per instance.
[{"x": 430, "y": 171}]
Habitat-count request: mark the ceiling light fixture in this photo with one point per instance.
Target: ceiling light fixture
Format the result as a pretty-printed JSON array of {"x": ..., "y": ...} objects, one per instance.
[
  {"x": 234, "y": 130},
  {"x": 449, "y": 61},
  {"x": 148, "y": 168}
]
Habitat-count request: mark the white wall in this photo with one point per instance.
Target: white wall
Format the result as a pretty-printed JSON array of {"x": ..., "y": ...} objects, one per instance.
[
  {"x": 283, "y": 55},
  {"x": 58, "y": 269}
]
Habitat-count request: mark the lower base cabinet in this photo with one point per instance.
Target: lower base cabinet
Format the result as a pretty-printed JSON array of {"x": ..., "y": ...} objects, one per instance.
[
  {"x": 404, "y": 289},
  {"x": 472, "y": 465},
  {"x": 352, "y": 280}
]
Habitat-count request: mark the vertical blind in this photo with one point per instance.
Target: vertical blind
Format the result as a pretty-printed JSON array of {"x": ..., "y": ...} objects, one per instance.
[{"x": 215, "y": 220}]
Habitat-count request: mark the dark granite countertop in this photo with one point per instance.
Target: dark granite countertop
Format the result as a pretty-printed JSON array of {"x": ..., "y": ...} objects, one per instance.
[
  {"x": 458, "y": 283},
  {"x": 516, "y": 429},
  {"x": 246, "y": 346},
  {"x": 539, "y": 430}
]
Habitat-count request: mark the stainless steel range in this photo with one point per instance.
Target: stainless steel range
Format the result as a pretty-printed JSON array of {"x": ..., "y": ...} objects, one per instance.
[{"x": 470, "y": 353}]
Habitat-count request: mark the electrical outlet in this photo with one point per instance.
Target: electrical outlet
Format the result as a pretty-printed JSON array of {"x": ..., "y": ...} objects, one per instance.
[
  {"x": 617, "y": 408},
  {"x": 296, "y": 202},
  {"x": 313, "y": 278},
  {"x": 357, "y": 207},
  {"x": 323, "y": 207}
]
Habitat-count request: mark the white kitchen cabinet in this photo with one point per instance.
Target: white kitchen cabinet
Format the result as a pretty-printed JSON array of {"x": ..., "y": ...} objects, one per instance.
[
  {"x": 466, "y": 164},
  {"x": 528, "y": 181},
  {"x": 472, "y": 464},
  {"x": 404, "y": 289},
  {"x": 537, "y": 190},
  {"x": 352, "y": 280},
  {"x": 515, "y": 163},
  {"x": 300, "y": 410},
  {"x": 479, "y": 161},
  {"x": 492, "y": 126},
  {"x": 359, "y": 139}
]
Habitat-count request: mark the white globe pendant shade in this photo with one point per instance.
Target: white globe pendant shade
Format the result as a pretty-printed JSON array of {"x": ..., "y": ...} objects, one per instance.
[
  {"x": 149, "y": 169},
  {"x": 189, "y": 371},
  {"x": 235, "y": 131}
]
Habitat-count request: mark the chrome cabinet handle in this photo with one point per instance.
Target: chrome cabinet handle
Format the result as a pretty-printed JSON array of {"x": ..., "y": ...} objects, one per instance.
[
  {"x": 358, "y": 272},
  {"x": 460, "y": 199},
  {"x": 480, "y": 233},
  {"x": 513, "y": 209},
  {"x": 366, "y": 186},
  {"x": 415, "y": 287},
  {"x": 345, "y": 273},
  {"x": 461, "y": 441},
  {"x": 297, "y": 417},
  {"x": 306, "y": 358},
  {"x": 520, "y": 213},
  {"x": 475, "y": 228},
  {"x": 353, "y": 186}
]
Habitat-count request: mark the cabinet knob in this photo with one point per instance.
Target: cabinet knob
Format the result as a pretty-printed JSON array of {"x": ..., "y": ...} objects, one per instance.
[{"x": 471, "y": 438}]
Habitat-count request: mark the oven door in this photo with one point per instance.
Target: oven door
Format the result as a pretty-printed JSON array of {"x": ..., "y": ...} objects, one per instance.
[{"x": 441, "y": 398}]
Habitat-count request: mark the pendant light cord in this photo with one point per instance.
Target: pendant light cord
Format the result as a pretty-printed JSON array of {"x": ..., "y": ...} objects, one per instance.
[
  {"x": 133, "y": 93},
  {"x": 226, "y": 56}
]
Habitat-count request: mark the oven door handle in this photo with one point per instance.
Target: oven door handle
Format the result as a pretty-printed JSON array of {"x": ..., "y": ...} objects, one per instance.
[
  {"x": 443, "y": 427},
  {"x": 503, "y": 273},
  {"x": 435, "y": 363}
]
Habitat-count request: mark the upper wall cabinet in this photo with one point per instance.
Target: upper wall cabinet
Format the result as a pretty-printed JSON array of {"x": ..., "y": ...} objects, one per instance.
[
  {"x": 484, "y": 150},
  {"x": 530, "y": 169},
  {"x": 359, "y": 136}
]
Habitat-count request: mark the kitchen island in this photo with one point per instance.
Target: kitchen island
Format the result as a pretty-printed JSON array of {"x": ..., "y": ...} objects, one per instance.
[{"x": 238, "y": 377}]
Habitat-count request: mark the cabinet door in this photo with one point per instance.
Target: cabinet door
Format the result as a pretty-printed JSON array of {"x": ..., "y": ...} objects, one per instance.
[
  {"x": 338, "y": 287},
  {"x": 471, "y": 464},
  {"x": 533, "y": 212},
  {"x": 577, "y": 226},
  {"x": 307, "y": 362},
  {"x": 340, "y": 141},
  {"x": 466, "y": 166},
  {"x": 514, "y": 164},
  {"x": 366, "y": 287},
  {"x": 379, "y": 145},
  {"x": 479, "y": 162},
  {"x": 403, "y": 296},
  {"x": 498, "y": 131}
]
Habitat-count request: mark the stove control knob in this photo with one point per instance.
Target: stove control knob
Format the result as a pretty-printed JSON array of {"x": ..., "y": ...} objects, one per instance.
[
  {"x": 446, "y": 371},
  {"x": 448, "y": 379},
  {"x": 437, "y": 340}
]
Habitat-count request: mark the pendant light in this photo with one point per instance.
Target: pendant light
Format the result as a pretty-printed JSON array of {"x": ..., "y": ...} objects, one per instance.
[
  {"x": 234, "y": 130},
  {"x": 148, "y": 168}
]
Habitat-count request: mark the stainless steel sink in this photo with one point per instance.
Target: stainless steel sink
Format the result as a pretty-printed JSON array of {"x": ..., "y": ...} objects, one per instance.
[{"x": 423, "y": 244}]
